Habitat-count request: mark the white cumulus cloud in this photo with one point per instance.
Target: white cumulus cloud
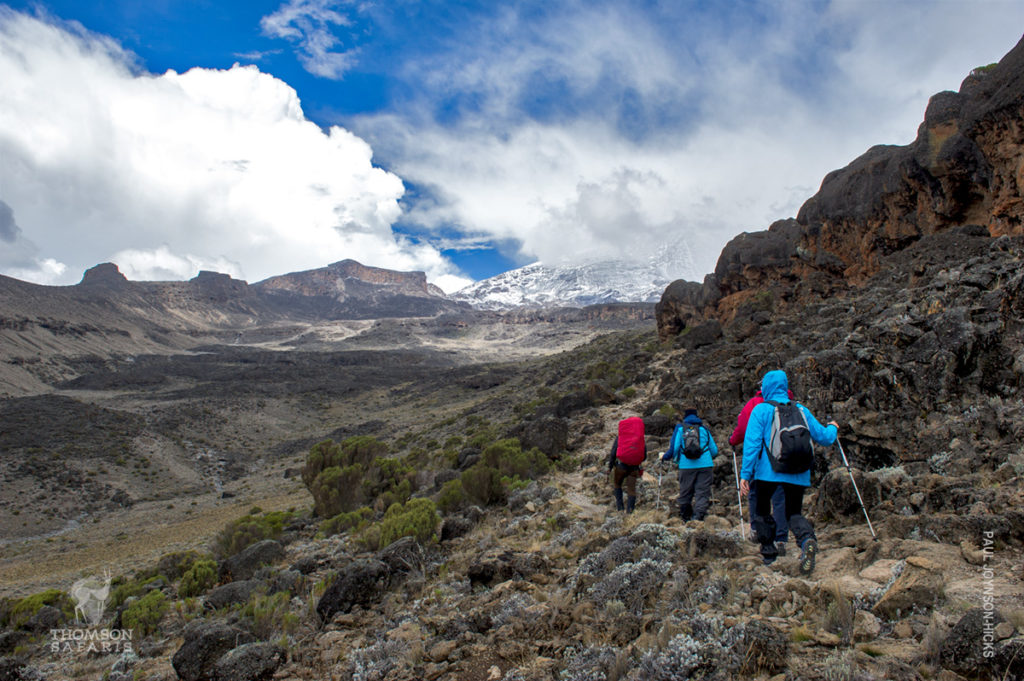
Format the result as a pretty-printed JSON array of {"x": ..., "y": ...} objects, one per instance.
[
  {"x": 603, "y": 129},
  {"x": 176, "y": 172}
]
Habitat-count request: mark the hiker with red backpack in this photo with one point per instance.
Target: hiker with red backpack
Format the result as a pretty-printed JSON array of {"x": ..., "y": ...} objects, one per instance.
[
  {"x": 695, "y": 449},
  {"x": 777, "y": 451},
  {"x": 629, "y": 450}
]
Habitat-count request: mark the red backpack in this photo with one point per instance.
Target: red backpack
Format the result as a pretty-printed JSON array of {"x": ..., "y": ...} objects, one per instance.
[{"x": 631, "y": 449}]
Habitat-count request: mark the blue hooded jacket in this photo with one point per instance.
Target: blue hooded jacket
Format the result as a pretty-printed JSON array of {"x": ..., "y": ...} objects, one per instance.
[
  {"x": 707, "y": 443},
  {"x": 756, "y": 465}
]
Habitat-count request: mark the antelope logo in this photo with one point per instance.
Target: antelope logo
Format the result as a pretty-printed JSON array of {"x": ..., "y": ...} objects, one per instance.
[{"x": 90, "y": 594}]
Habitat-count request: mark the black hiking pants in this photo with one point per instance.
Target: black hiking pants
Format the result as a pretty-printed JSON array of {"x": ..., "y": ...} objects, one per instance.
[
  {"x": 764, "y": 522},
  {"x": 694, "y": 493}
]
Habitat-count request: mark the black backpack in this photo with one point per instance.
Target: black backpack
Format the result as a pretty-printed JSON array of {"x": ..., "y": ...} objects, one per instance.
[
  {"x": 790, "y": 449},
  {"x": 691, "y": 442}
]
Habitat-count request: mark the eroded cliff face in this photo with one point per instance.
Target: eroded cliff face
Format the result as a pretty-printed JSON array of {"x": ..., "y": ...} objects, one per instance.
[
  {"x": 966, "y": 167},
  {"x": 346, "y": 278}
]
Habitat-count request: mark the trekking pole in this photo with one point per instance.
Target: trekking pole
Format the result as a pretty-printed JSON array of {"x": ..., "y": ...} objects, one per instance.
[
  {"x": 739, "y": 497},
  {"x": 661, "y": 468},
  {"x": 846, "y": 463}
]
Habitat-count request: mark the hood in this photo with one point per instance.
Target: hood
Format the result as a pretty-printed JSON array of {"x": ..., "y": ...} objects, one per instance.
[
  {"x": 775, "y": 386},
  {"x": 693, "y": 420}
]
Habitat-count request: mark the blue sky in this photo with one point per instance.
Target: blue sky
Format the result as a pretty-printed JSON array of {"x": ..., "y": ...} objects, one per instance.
[{"x": 458, "y": 138}]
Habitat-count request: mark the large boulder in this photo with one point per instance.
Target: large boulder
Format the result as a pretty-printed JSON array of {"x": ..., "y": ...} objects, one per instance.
[
  {"x": 244, "y": 564},
  {"x": 232, "y": 593},
  {"x": 362, "y": 583},
  {"x": 971, "y": 648},
  {"x": 249, "y": 662},
  {"x": 205, "y": 643},
  {"x": 495, "y": 567},
  {"x": 549, "y": 434},
  {"x": 920, "y": 585}
]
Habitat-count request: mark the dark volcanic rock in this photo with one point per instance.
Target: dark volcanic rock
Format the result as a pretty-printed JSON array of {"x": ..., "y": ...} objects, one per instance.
[
  {"x": 244, "y": 564},
  {"x": 249, "y": 662},
  {"x": 362, "y": 582},
  {"x": 232, "y": 593},
  {"x": 549, "y": 434},
  {"x": 500, "y": 566},
  {"x": 963, "y": 651},
  {"x": 205, "y": 643}
]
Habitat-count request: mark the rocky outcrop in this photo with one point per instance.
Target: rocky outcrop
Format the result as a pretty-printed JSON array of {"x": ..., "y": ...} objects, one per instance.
[
  {"x": 105, "y": 274},
  {"x": 348, "y": 278},
  {"x": 962, "y": 169}
]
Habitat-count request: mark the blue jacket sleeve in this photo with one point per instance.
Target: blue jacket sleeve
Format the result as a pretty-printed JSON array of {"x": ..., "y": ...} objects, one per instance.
[
  {"x": 710, "y": 445},
  {"x": 670, "y": 453},
  {"x": 753, "y": 439},
  {"x": 823, "y": 435}
]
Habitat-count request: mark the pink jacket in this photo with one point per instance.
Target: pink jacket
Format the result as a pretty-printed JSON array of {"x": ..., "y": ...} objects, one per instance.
[{"x": 736, "y": 438}]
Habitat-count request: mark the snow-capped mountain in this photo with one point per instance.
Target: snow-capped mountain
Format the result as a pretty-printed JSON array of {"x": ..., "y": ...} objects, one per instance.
[{"x": 610, "y": 281}]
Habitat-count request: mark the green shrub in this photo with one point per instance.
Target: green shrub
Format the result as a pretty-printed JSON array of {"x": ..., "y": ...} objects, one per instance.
[
  {"x": 343, "y": 522},
  {"x": 249, "y": 529},
  {"x": 125, "y": 588},
  {"x": 452, "y": 497},
  {"x": 503, "y": 466},
  {"x": 482, "y": 484},
  {"x": 144, "y": 615},
  {"x": 343, "y": 477},
  {"x": 200, "y": 576},
  {"x": 25, "y": 609},
  {"x": 418, "y": 518},
  {"x": 270, "y": 615},
  {"x": 511, "y": 461}
]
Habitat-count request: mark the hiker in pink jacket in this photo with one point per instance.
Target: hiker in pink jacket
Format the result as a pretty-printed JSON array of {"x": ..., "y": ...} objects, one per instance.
[{"x": 778, "y": 498}]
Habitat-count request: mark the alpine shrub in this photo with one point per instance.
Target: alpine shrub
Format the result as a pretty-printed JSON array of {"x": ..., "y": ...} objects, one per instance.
[
  {"x": 482, "y": 484},
  {"x": 343, "y": 477},
  {"x": 418, "y": 519},
  {"x": 270, "y": 615},
  {"x": 503, "y": 466},
  {"x": 452, "y": 497},
  {"x": 632, "y": 584},
  {"x": 134, "y": 588},
  {"x": 249, "y": 529},
  {"x": 343, "y": 522},
  {"x": 198, "y": 578},
  {"x": 590, "y": 664},
  {"x": 710, "y": 651},
  {"x": 144, "y": 615},
  {"x": 23, "y": 610}
]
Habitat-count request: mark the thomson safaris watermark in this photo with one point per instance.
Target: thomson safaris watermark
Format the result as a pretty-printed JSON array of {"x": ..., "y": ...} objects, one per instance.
[
  {"x": 988, "y": 596},
  {"x": 90, "y": 595}
]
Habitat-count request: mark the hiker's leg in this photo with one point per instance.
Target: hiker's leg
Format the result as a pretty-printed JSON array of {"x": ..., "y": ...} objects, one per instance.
[
  {"x": 630, "y": 484},
  {"x": 779, "y": 513},
  {"x": 687, "y": 480},
  {"x": 800, "y": 526},
  {"x": 752, "y": 495},
  {"x": 619, "y": 473},
  {"x": 764, "y": 523},
  {"x": 702, "y": 494}
]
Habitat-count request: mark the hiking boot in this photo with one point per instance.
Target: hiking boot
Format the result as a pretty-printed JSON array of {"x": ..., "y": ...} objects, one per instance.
[
  {"x": 767, "y": 561},
  {"x": 781, "y": 547},
  {"x": 810, "y": 550}
]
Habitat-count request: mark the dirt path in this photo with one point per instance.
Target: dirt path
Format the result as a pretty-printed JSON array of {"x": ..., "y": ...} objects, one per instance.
[{"x": 574, "y": 493}]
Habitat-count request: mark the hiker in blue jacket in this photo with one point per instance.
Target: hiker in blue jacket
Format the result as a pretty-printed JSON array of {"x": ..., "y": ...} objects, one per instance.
[
  {"x": 757, "y": 467},
  {"x": 695, "y": 474}
]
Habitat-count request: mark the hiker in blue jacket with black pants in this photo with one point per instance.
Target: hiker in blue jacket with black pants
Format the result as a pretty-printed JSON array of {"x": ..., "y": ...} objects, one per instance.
[
  {"x": 757, "y": 467},
  {"x": 695, "y": 465}
]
